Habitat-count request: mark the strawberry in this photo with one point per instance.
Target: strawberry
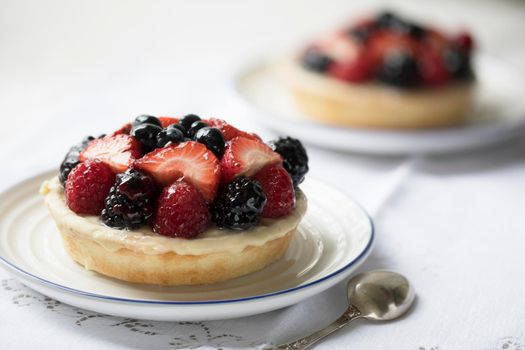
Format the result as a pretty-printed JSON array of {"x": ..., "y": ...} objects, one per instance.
[
  {"x": 228, "y": 131},
  {"x": 358, "y": 69},
  {"x": 432, "y": 68},
  {"x": 191, "y": 160},
  {"x": 124, "y": 129},
  {"x": 167, "y": 121},
  {"x": 181, "y": 211},
  {"x": 278, "y": 187},
  {"x": 117, "y": 151},
  {"x": 87, "y": 186},
  {"x": 244, "y": 156}
]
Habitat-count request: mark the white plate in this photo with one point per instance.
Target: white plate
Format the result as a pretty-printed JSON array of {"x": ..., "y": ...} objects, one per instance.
[
  {"x": 499, "y": 114},
  {"x": 335, "y": 237}
]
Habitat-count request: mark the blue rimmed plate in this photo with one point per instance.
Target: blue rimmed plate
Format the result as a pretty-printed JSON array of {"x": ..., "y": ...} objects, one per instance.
[{"x": 333, "y": 239}]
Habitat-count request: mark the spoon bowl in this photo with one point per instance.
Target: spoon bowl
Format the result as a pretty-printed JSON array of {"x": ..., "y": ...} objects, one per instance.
[{"x": 380, "y": 295}]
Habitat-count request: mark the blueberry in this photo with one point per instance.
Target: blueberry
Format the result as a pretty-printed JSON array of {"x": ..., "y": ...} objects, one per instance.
[
  {"x": 196, "y": 126},
  {"x": 360, "y": 34},
  {"x": 315, "y": 61},
  {"x": 212, "y": 138},
  {"x": 399, "y": 69},
  {"x": 146, "y": 134},
  {"x": 181, "y": 128},
  {"x": 147, "y": 119},
  {"x": 389, "y": 21},
  {"x": 171, "y": 134},
  {"x": 457, "y": 62},
  {"x": 189, "y": 119}
]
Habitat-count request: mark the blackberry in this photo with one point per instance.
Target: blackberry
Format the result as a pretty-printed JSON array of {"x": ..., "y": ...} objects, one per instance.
[
  {"x": 239, "y": 205},
  {"x": 315, "y": 61},
  {"x": 71, "y": 159},
  {"x": 295, "y": 159},
  {"x": 399, "y": 69},
  {"x": 457, "y": 62},
  {"x": 131, "y": 201}
]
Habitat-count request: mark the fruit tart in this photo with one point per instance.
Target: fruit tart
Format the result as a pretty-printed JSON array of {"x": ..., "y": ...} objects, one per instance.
[
  {"x": 385, "y": 72},
  {"x": 178, "y": 202}
]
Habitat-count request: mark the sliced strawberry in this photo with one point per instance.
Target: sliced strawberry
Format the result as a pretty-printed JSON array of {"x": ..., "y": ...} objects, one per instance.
[
  {"x": 189, "y": 160},
  {"x": 228, "y": 131},
  {"x": 244, "y": 156},
  {"x": 167, "y": 121},
  {"x": 124, "y": 130},
  {"x": 117, "y": 151}
]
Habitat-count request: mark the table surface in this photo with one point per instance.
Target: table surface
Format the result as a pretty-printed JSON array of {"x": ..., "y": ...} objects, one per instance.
[{"x": 452, "y": 224}]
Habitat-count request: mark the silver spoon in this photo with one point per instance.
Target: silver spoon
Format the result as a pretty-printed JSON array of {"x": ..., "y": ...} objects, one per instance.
[{"x": 377, "y": 295}]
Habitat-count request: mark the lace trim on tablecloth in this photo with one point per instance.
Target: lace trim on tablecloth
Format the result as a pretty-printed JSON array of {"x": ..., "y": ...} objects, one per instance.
[{"x": 187, "y": 335}]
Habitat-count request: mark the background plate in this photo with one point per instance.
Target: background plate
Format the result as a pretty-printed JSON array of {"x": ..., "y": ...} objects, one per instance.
[
  {"x": 335, "y": 236},
  {"x": 498, "y": 115}
]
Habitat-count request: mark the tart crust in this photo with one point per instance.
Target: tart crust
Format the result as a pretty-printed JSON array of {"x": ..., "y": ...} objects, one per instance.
[
  {"x": 371, "y": 105},
  {"x": 152, "y": 259}
]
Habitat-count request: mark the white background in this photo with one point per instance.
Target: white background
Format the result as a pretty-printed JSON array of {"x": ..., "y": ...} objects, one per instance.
[{"x": 453, "y": 225}]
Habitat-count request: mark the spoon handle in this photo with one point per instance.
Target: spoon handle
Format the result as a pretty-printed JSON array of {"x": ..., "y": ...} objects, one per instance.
[{"x": 350, "y": 314}]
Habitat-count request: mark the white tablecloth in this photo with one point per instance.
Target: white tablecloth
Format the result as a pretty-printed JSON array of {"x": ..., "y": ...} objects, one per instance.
[{"x": 452, "y": 224}]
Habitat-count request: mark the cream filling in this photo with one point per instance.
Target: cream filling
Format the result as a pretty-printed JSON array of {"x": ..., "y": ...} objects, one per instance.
[{"x": 144, "y": 240}]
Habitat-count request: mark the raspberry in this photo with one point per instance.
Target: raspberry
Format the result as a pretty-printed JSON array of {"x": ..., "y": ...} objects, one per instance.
[
  {"x": 86, "y": 187},
  {"x": 181, "y": 212},
  {"x": 130, "y": 202},
  {"x": 278, "y": 188}
]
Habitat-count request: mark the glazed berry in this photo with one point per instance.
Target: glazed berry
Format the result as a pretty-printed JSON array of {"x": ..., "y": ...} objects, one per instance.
[
  {"x": 190, "y": 160},
  {"x": 147, "y": 119},
  {"x": 213, "y": 140},
  {"x": 278, "y": 187},
  {"x": 169, "y": 135},
  {"x": 246, "y": 157},
  {"x": 196, "y": 126},
  {"x": 431, "y": 67},
  {"x": 167, "y": 121},
  {"x": 146, "y": 134},
  {"x": 117, "y": 151},
  {"x": 464, "y": 41},
  {"x": 295, "y": 159},
  {"x": 239, "y": 204},
  {"x": 87, "y": 186},
  {"x": 457, "y": 62},
  {"x": 131, "y": 200},
  {"x": 228, "y": 131},
  {"x": 360, "y": 33},
  {"x": 181, "y": 211},
  {"x": 399, "y": 69},
  {"x": 359, "y": 69},
  {"x": 71, "y": 159},
  {"x": 315, "y": 61},
  {"x": 189, "y": 119}
]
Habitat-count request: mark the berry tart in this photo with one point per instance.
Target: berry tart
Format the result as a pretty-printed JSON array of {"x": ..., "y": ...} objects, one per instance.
[
  {"x": 178, "y": 202},
  {"x": 385, "y": 72}
]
